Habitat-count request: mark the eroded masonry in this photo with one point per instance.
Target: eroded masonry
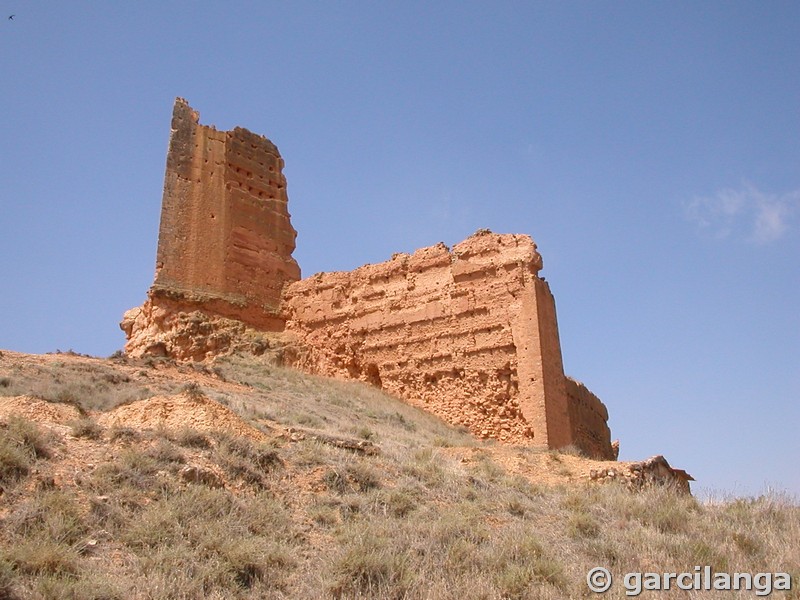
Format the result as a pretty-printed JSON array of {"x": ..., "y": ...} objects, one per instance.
[{"x": 468, "y": 333}]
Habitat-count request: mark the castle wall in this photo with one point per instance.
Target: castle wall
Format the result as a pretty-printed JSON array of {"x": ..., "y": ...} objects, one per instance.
[
  {"x": 469, "y": 335},
  {"x": 588, "y": 418}
]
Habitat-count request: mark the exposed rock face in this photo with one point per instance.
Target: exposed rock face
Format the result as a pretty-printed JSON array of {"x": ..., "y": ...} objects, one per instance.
[
  {"x": 190, "y": 331},
  {"x": 468, "y": 334}
]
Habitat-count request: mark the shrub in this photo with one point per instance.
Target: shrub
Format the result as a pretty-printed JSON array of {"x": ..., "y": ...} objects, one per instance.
[
  {"x": 165, "y": 453},
  {"x": 132, "y": 469},
  {"x": 6, "y": 580},
  {"x": 126, "y": 434},
  {"x": 191, "y": 438},
  {"x": 40, "y": 556},
  {"x": 572, "y": 450},
  {"x": 356, "y": 476},
  {"x": 244, "y": 459},
  {"x": 371, "y": 566},
  {"x": 15, "y": 462},
  {"x": 87, "y": 428},
  {"x": 193, "y": 390},
  {"x": 225, "y": 543},
  {"x": 30, "y": 436}
]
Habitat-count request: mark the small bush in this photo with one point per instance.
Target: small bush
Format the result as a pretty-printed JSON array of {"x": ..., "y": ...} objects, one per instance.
[
  {"x": 15, "y": 462},
  {"x": 86, "y": 586},
  {"x": 36, "y": 441},
  {"x": 40, "y": 556},
  {"x": 191, "y": 438},
  {"x": 226, "y": 544},
  {"x": 165, "y": 453},
  {"x": 355, "y": 477},
  {"x": 572, "y": 450},
  {"x": 6, "y": 580},
  {"x": 22, "y": 442},
  {"x": 54, "y": 515},
  {"x": 364, "y": 476},
  {"x": 324, "y": 513},
  {"x": 125, "y": 434},
  {"x": 370, "y": 566},
  {"x": 133, "y": 469},
  {"x": 193, "y": 390},
  {"x": 365, "y": 433},
  {"x": 247, "y": 460},
  {"x": 582, "y": 525},
  {"x": 87, "y": 428}
]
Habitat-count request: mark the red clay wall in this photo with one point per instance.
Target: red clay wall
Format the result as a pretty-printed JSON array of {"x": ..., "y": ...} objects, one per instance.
[
  {"x": 469, "y": 335},
  {"x": 588, "y": 418}
]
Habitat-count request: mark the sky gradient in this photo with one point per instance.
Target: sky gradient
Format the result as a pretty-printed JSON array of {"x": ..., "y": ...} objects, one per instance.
[{"x": 652, "y": 150}]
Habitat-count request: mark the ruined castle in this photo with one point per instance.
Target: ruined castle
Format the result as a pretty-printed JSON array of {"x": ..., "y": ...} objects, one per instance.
[{"x": 468, "y": 333}]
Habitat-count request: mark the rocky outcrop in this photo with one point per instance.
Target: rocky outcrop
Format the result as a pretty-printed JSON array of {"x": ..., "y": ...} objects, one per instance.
[
  {"x": 187, "y": 329},
  {"x": 647, "y": 473}
]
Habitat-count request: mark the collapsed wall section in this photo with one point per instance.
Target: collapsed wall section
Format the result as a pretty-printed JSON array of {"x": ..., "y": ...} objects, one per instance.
[{"x": 588, "y": 419}]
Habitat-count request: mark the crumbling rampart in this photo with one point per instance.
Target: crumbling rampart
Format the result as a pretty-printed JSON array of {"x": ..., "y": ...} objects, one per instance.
[
  {"x": 457, "y": 333},
  {"x": 469, "y": 334}
]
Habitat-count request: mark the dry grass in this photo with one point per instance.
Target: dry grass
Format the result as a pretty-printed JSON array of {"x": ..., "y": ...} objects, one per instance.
[
  {"x": 305, "y": 519},
  {"x": 22, "y": 443}
]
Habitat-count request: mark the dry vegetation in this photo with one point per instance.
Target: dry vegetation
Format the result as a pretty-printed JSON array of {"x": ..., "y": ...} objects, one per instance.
[{"x": 91, "y": 511}]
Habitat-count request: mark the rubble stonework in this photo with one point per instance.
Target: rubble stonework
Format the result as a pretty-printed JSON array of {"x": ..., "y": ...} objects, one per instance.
[
  {"x": 469, "y": 334},
  {"x": 647, "y": 473}
]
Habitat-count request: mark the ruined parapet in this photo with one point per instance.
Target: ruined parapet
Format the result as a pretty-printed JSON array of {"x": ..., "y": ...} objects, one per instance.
[
  {"x": 588, "y": 419},
  {"x": 225, "y": 242},
  {"x": 470, "y": 335}
]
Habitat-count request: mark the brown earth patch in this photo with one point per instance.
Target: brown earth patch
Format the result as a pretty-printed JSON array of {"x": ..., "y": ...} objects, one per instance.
[
  {"x": 38, "y": 410},
  {"x": 185, "y": 410}
]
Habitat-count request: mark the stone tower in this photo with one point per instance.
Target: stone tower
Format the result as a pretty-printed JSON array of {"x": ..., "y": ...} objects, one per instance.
[{"x": 225, "y": 239}]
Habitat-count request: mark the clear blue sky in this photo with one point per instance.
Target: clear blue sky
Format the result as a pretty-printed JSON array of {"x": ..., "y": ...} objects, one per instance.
[{"x": 652, "y": 149}]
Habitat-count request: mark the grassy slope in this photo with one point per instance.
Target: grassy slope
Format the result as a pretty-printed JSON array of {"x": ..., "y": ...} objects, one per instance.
[{"x": 94, "y": 512}]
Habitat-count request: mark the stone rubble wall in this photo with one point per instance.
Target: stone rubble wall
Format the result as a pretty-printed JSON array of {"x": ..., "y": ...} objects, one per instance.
[{"x": 647, "y": 473}]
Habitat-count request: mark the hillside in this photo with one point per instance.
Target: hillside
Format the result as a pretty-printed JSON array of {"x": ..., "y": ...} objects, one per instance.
[{"x": 236, "y": 478}]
